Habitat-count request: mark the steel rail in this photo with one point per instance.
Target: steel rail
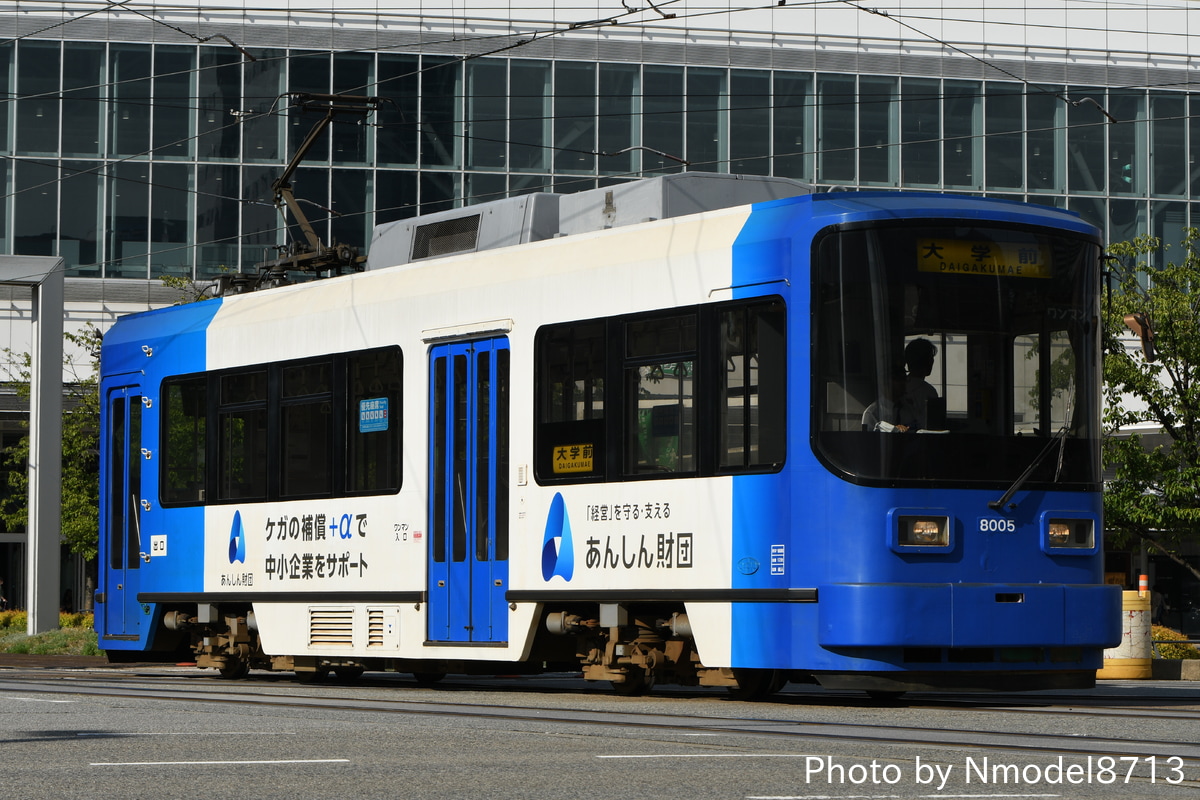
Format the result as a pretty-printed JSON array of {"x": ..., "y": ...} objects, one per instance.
[{"x": 908, "y": 735}]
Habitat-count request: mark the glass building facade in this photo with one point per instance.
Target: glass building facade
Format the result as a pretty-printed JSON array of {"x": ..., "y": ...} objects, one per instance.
[{"x": 134, "y": 160}]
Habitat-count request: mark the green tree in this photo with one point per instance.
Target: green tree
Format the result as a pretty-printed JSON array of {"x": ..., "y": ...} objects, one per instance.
[
  {"x": 189, "y": 290},
  {"x": 81, "y": 455},
  {"x": 1154, "y": 495}
]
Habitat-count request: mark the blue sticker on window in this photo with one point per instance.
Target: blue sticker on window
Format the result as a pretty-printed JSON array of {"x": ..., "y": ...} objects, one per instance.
[{"x": 373, "y": 415}]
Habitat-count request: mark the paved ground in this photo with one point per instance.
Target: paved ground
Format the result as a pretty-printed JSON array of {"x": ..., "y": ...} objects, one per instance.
[{"x": 77, "y": 732}]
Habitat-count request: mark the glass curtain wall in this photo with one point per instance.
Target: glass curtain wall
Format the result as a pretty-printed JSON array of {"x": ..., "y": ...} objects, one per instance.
[
  {"x": 749, "y": 140},
  {"x": 135, "y": 160}
]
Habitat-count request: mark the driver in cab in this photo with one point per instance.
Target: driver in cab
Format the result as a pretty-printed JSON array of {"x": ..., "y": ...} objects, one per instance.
[{"x": 891, "y": 413}]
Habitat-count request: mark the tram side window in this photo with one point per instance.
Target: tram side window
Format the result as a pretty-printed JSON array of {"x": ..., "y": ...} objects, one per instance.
[
  {"x": 319, "y": 427},
  {"x": 242, "y": 436},
  {"x": 701, "y": 390},
  {"x": 753, "y": 413},
  {"x": 306, "y": 430},
  {"x": 660, "y": 377},
  {"x": 373, "y": 421},
  {"x": 571, "y": 400},
  {"x": 185, "y": 413}
]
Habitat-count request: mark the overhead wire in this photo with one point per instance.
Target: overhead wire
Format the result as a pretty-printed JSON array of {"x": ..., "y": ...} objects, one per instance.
[
  {"x": 850, "y": 101},
  {"x": 479, "y": 15},
  {"x": 503, "y": 48},
  {"x": 538, "y": 34},
  {"x": 103, "y": 169},
  {"x": 108, "y": 6},
  {"x": 590, "y": 180},
  {"x": 787, "y": 6}
]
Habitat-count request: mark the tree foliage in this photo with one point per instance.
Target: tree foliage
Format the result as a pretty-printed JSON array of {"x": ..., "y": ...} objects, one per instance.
[
  {"x": 189, "y": 290},
  {"x": 80, "y": 448},
  {"x": 1154, "y": 495}
]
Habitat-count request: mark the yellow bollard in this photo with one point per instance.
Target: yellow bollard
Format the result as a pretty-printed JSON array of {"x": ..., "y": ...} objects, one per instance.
[{"x": 1130, "y": 660}]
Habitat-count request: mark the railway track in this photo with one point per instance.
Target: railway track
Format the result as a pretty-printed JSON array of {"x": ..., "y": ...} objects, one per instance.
[
  {"x": 1168, "y": 704},
  {"x": 1042, "y": 725}
]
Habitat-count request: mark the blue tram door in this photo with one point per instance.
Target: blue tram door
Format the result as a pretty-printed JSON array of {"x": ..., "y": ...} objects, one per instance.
[
  {"x": 120, "y": 527},
  {"x": 468, "y": 491}
]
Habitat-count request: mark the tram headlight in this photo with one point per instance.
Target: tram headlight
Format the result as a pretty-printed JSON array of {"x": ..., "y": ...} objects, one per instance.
[
  {"x": 924, "y": 531},
  {"x": 1077, "y": 534}
]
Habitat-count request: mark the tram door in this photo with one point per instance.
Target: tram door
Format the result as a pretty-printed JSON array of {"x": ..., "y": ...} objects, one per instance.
[
  {"x": 468, "y": 488},
  {"x": 121, "y": 526}
]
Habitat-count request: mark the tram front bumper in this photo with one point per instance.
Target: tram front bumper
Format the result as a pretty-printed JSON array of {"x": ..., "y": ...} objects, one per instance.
[{"x": 968, "y": 615}]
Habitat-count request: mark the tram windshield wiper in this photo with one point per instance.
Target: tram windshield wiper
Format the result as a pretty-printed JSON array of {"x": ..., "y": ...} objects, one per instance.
[{"x": 1059, "y": 439}]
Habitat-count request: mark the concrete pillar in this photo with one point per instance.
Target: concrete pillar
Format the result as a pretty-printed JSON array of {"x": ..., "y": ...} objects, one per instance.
[
  {"x": 44, "y": 275},
  {"x": 45, "y": 454}
]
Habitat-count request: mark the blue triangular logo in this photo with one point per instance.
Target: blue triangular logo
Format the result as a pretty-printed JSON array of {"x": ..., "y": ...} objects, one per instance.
[
  {"x": 237, "y": 540},
  {"x": 558, "y": 552}
]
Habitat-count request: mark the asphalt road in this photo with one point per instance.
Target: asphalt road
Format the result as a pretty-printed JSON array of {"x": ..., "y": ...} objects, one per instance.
[{"x": 172, "y": 732}]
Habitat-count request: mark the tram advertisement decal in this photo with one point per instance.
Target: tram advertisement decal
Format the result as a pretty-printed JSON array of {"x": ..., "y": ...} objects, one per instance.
[
  {"x": 607, "y": 543},
  {"x": 281, "y": 549},
  {"x": 992, "y": 259},
  {"x": 667, "y": 550},
  {"x": 324, "y": 547}
]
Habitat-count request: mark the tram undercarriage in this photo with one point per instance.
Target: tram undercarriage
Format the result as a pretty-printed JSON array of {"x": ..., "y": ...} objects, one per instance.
[
  {"x": 640, "y": 651},
  {"x": 633, "y": 648}
]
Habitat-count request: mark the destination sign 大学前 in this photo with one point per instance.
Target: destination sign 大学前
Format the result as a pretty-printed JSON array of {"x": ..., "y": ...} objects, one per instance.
[
  {"x": 573, "y": 458},
  {"x": 998, "y": 259}
]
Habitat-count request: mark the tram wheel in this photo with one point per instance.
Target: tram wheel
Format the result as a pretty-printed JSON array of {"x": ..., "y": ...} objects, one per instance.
[
  {"x": 312, "y": 676},
  {"x": 757, "y": 684},
  {"x": 428, "y": 678},
  {"x": 636, "y": 683},
  {"x": 348, "y": 673},
  {"x": 234, "y": 670}
]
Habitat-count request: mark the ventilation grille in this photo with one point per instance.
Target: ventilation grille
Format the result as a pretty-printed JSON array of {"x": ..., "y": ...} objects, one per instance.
[
  {"x": 330, "y": 627},
  {"x": 374, "y": 627},
  {"x": 457, "y": 235}
]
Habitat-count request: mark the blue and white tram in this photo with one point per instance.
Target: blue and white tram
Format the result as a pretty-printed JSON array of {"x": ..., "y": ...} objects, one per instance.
[{"x": 843, "y": 437}]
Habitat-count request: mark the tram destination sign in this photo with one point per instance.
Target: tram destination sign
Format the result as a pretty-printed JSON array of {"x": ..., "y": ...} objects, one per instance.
[
  {"x": 991, "y": 259},
  {"x": 573, "y": 458}
]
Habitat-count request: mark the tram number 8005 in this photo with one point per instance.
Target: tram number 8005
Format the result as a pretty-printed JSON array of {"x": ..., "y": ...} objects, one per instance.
[{"x": 993, "y": 525}]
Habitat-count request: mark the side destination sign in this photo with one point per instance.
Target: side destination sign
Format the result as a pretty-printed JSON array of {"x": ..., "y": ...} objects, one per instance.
[
  {"x": 993, "y": 259},
  {"x": 573, "y": 458}
]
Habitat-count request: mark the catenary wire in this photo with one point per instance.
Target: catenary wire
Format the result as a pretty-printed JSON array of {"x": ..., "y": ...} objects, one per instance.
[{"x": 549, "y": 147}]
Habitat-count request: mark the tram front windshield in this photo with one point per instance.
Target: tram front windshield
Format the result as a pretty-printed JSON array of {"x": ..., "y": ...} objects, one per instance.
[{"x": 957, "y": 355}]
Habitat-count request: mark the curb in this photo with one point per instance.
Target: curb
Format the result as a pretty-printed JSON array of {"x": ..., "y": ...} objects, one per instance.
[
  {"x": 1175, "y": 669},
  {"x": 61, "y": 662}
]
